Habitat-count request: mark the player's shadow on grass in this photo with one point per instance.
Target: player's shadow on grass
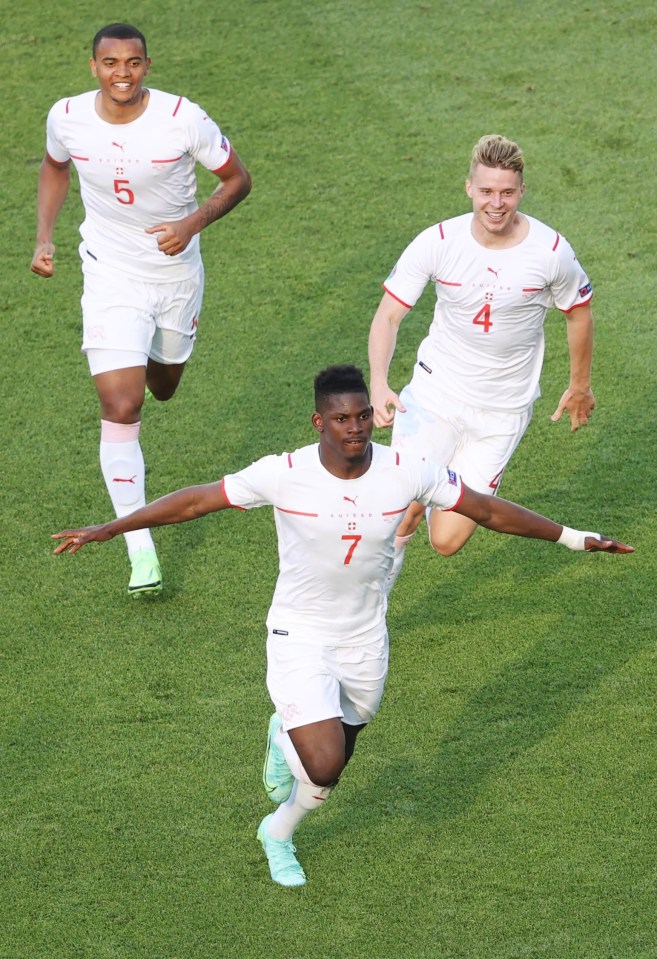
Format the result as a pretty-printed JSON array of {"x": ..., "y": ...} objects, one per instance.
[{"x": 506, "y": 718}]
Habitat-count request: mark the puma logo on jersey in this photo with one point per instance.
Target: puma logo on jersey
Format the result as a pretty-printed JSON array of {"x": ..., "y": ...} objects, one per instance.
[
  {"x": 495, "y": 272},
  {"x": 350, "y": 500},
  {"x": 121, "y": 146}
]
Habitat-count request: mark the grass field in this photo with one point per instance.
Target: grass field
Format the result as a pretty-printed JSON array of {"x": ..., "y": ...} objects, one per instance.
[{"x": 502, "y": 806}]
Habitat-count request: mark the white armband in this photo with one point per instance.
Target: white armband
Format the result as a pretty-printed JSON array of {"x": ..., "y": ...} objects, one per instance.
[{"x": 575, "y": 538}]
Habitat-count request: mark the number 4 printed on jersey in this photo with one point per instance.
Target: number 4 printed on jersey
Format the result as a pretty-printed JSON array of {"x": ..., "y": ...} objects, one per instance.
[{"x": 483, "y": 318}]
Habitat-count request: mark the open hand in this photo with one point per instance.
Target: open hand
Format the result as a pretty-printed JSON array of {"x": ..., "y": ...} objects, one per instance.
[
  {"x": 75, "y": 539},
  {"x": 605, "y": 545}
]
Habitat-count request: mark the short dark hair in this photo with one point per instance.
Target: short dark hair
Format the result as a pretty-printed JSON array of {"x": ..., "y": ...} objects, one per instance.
[
  {"x": 118, "y": 31},
  {"x": 339, "y": 379}
]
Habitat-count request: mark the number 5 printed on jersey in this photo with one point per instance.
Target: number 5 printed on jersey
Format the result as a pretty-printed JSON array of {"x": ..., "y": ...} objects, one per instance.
[{"x": 123, "y": 192}]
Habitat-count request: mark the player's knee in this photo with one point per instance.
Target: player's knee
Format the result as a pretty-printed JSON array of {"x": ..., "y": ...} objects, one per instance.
[
  {"x": 121, "y": 409},
  {"x": 325, "y": 771},
  {"x": 162, "y": 391},
  {"x": 447, "y": 545}
]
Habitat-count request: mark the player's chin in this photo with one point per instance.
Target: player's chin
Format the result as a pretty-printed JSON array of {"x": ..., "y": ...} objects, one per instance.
[{"x": 356, "y": 447}]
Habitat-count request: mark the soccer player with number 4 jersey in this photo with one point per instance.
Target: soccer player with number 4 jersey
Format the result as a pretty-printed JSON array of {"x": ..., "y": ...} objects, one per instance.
[
  {"x": 496, "y": 272},
  {"x": 135, "y": 150},
  {"x": 337, "y": 505}
]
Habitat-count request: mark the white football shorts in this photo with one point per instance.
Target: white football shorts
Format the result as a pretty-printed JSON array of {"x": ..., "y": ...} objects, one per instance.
[
  {"x": 308, "y": 682},
  {"x": 121, "y": 312},
  {"x": 477, "y": 443}
]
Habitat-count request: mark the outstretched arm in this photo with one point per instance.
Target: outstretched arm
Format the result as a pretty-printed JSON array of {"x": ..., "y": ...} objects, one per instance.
[
  {"x": 179, "y": 507},
  {"x": 235, "y": 185},
  {"x": 382, "y": 342},
  {"x": 54, "y": 180},
  {"x": 578, "y": 399},
  {"x": 505, "y": 517}
]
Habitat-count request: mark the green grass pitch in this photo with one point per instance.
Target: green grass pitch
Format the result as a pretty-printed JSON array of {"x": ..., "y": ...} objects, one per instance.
[{"x": 502, "y": 804}]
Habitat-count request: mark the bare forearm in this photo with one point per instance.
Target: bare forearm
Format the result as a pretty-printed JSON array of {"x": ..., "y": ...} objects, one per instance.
[
  {"x": 505, "y": 517},
  {"x": 179, "y": 507},
  {"x": 231, "y": 191},
  {"x": 53, "y": 189},
  {"x": 222, "y": 201},
  {"x": 580, "y": 348},
  {"x": 381, "y": 348}
]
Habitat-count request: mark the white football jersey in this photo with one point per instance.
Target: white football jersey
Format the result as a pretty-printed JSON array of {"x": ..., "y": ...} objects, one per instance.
[
  {"x": 485, "y": 345},
  {"x": 336, "y": 536},
  {"x": 136, "y": 175}
]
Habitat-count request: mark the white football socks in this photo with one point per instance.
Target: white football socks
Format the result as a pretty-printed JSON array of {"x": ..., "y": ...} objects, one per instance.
[
  {"x": 122, "y": 465},
  {"x": 304, "y": 798},
  {"x": 305, "y": 795}
]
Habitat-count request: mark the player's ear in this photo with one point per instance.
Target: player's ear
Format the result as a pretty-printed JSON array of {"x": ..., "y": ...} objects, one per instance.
[
  {"x": 92, "y": 67},
  {"x": 318, "y": 423}
]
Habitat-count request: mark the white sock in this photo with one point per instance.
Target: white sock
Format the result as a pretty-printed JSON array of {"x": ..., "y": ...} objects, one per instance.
[
  {"x": 122, "y": 465},
  {"x": 285, "y": 744},
  {"x": 398, "y": 561},
  {"x": 304, "y": 798}
]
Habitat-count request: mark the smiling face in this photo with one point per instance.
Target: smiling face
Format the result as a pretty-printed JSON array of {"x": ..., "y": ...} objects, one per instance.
[
  {"x": 495, "y": 194},
  {"x": 120, "y": 67},
  {"x": 344, "y": 423}
]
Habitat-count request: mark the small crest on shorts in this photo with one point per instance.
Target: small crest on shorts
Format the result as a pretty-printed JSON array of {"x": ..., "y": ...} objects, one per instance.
[{"x": 451, "y": 477}]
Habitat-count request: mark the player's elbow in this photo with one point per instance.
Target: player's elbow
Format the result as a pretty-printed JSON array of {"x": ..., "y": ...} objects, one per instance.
[{"x": 245, "y": 185}]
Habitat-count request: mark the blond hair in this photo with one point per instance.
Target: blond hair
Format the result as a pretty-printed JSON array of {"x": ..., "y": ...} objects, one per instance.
[{"x": 496, "y": 151}]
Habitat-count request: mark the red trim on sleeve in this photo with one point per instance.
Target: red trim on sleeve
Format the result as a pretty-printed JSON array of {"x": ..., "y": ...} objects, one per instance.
[
  {"x": 58, "y": 163},
  {"x": 556, "y": 243},
  {"x": 583, "y": 303},
  {"x": 223, "y": 490},
  {"x": 407, "y": 305},
  {"x": 227, "y": 160},
  {"x": 177, "y": 106},
  {"x": 457, "y": 502}
]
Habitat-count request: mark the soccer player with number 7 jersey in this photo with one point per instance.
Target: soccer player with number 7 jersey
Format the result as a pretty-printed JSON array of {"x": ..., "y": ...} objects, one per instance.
[
  {"x": 496, "y": 272},
  {"x": 135, "y": 151},
  {"x": 337, "y": 505}
]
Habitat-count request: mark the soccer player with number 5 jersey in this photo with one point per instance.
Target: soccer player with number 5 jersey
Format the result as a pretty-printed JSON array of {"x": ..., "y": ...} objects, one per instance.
[{"x": 135, "y": 150}]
